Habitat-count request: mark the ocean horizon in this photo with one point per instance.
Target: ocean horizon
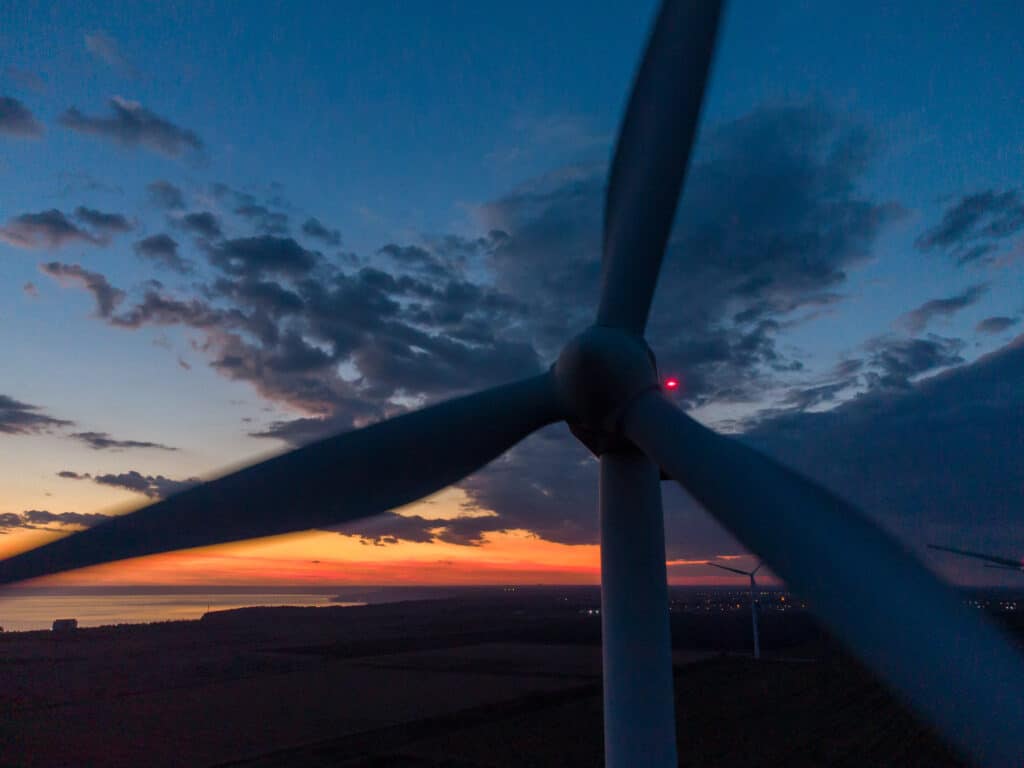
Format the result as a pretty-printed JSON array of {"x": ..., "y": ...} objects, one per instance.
[{"x": 32, "y": 609}]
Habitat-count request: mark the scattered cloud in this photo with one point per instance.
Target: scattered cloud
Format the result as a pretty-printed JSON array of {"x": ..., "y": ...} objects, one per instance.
[
  {"x": 18, "y": 418},
  {"x": 972, "y": 228},
  {"x": 896, "y": 361},
  {"x": 17, "y": 120},
  {"x": 313, "y": 228},
  {"x": 36, "y": 519},
  {"x": 49, "y": 229},
  {"x": 103, "y": 223},
  {"x": 162, "y": 250},
  {"x": 107, "y": 297},
  {"x": 996, "y": 324},
  {"x": 255, "y": 257},
  {"x": 30, "y": 290},
  {"x": 101, "y": 441},
  {"x": 165, "y": 195},
  {"x": 203, "y": 224},
  {"x": 132, "y": 125},
  {"x": 153, "y": 486},
  {"x": 265, "y": 220},
  {"x": 918, "y": 319}
]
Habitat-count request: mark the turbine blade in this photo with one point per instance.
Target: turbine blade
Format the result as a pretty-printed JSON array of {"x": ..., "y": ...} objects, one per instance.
[
  {"x": 651, "y": 158},
  {"x": 727, "y": 568},
  {"x": 1005, "y": 561},
  {"x": 342, "y": 478},
  {"x": 956, "y": 669}
]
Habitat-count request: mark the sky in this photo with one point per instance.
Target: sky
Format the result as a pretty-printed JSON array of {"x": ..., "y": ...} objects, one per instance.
[{"x": 227, "y": 231}]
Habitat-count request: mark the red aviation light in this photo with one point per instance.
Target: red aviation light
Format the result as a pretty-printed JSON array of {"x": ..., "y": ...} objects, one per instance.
[{"x": 671, "y": 383}]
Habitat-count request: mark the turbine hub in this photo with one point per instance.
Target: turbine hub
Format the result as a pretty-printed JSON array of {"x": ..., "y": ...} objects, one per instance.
[{"x": 598, "y": 374}]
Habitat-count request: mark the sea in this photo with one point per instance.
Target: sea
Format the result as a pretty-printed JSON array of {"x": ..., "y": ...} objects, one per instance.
[{"x": 26, "y": 610}]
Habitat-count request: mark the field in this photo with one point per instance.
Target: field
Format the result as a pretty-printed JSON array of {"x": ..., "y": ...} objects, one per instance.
[{"x": 492, "y": 680}]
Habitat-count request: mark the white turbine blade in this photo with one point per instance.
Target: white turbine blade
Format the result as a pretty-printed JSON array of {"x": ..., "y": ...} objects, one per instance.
[
  {"x": 651, "y": 158},
  {"x": 342, "y": 478},
  {"x": 727, "y": 568},
  {"x": 954, "y": 667}
]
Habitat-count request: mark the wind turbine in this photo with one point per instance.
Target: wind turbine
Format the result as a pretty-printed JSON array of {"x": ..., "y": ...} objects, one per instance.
[
  {"x": 993, "y": 561},
  {"x": 958, "y": 671},
  {"x": 754, "y": 604}
]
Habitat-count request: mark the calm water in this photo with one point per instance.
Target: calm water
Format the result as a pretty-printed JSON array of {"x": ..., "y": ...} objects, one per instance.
[{"x": 19, "y": 613}]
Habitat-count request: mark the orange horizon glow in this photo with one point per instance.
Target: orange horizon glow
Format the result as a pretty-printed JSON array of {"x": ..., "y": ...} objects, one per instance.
[{"x": 512, "y": 557}]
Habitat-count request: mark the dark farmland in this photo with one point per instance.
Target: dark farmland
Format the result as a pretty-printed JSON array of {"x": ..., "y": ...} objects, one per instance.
[{"x": 480, "y": 678}]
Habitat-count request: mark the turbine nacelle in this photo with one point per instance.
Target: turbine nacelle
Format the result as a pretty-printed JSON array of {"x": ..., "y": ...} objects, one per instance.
[{"x": 597, "y": 375}]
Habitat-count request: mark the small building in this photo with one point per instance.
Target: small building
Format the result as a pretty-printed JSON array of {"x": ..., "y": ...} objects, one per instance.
[{"x": 65, "y": 625}]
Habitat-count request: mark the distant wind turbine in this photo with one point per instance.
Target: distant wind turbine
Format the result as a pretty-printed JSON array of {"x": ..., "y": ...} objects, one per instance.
[
  {"x": 754, "y": 602},
  {"x": 960, "y": 672}
]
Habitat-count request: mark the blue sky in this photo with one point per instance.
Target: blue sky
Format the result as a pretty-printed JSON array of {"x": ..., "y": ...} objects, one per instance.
[{"x": 405, "y": 124}]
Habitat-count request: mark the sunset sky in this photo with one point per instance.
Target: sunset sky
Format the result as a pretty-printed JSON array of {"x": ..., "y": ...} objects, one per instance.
[{"x": 228, "y": 229}]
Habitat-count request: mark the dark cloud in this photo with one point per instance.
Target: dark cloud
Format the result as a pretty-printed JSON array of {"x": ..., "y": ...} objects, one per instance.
[
  {"x": 417, "y": 259},
  {"x": 770, "y": 222},
  {"x": 917, "y": 319},
  {"x": 917, "y": 459},
  {"x": 153, "y": 486},
  {"x": 313, "y": 228},
  {"x": 996, "y": 324},
  {"x": 253, "y": 257},
  {"x": 162, "y": 249},
  {"x": 808, "y": 397},
  {"x": 104, "y": 223},
  {"x": 18, "y": 418},
  {"x": 391, "y": 528},
  {"x": 165, "y": 195},
  {"x": 305, "y": 430},
  {"x": 283, "y": 319},
  {"x": 107, "y": 296},
  {"x": 939, "y": 460},
  {"x": 157, "y": 308},
  {"x": 42, "y": 519},
  {"x": 132, "y": 125},
  {"x": 46, "y": 229},
  {"x": 203, "y": 223},
  {"x": 224, "y": 192},
  {"x": 972, "y": 228},
  {"x": 265, "y": 220},
  {"x": 17, "y": 120},
  {"x": 102, "y": 441},
  {"x": 896, "y": 361}
]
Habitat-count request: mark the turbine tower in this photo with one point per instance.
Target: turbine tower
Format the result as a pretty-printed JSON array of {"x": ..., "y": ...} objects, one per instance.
[
  {"x": 754, "y": 604},
  {"x": 958, "y": 671}
]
